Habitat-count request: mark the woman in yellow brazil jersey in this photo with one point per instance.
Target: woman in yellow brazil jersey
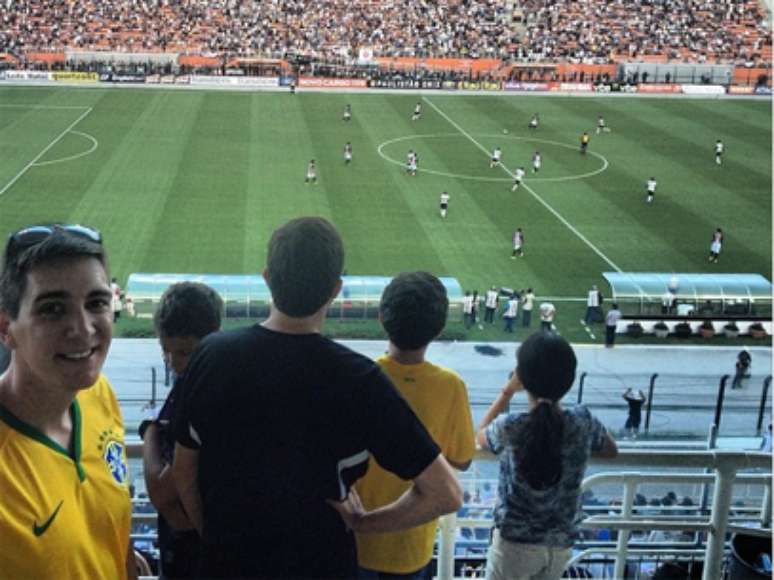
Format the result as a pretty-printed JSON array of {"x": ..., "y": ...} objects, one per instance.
[{"x": 65, "y": 510}]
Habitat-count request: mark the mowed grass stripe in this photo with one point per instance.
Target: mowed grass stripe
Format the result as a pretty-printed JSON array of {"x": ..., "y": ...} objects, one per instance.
[
  {"x": 468, "y": 240},
  {"x": 609, "y": 263},
  {"x": 150, "y": 159},
  {"x": 395, "y": 221},
  {"x": 138, "y": 162},
  {"x": 207, "y": 196},
  {"x": 661, "y": 156},
  {"x": 688, "y": 176},
  {"x": 695, "y": 135},
  {"x": 510, "y": 210}
]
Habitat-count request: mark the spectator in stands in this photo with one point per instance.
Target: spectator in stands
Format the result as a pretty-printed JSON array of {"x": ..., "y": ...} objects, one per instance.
[
  {"x": 278, "y": 423},
  {"x": 187, "y": 312},
  {"x": 413, "y": 312},
  {"x": 330, "y": 33},
  {"x": 65, "y": 510},
  {"x": 543, "y": 455}
]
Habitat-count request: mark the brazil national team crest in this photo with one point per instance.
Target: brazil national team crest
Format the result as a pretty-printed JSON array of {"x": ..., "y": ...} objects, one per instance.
[{"x": 112, "y": 449}]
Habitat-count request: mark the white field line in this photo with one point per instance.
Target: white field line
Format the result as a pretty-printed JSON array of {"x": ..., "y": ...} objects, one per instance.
[
  {"x": 545, "y": 204},
  {"x": 45, "y": 150},
  {"x": 92, "y": 149},
  {"x": 43, "y": 107}
]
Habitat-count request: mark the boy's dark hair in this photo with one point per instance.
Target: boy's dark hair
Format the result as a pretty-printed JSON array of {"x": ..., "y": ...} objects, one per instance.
[
  {"x": 188, "y": 309},
  {"x": 546, "y": 366},
  {"x": 60, "y": 245},
  {"x": 304, "y": 264},
  {"x": 413, "y": 309}
]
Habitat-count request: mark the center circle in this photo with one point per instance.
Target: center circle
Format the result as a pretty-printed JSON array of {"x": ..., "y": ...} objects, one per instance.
[{"x": 383, "y": 155}]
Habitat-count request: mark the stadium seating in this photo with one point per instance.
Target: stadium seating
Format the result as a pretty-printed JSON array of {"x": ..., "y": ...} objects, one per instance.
[{"x": 594, "y": 31}]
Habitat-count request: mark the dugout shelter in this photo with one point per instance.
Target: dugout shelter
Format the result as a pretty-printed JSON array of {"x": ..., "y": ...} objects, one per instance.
[
  {"x": 706, "y": 296},
  {"x": 248, "y": 296}
]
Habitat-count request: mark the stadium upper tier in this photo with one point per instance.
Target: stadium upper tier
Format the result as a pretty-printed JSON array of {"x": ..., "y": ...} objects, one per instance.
[{"x": 591, "y": 31}]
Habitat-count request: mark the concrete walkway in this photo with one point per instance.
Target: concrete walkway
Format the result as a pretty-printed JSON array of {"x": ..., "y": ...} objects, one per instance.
[{"x": 684, "y": 398}]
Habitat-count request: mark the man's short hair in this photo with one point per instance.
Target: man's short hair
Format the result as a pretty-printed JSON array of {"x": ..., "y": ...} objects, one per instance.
[
  {"x": 188, "y": 309},
  {"x": 413, "y": 309},
  {"x": 61, "y": 245},
  {"x": 304, "y": 264}
]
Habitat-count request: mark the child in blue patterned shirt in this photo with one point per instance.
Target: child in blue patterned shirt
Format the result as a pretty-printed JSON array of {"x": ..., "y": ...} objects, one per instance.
[{"x": 543, "y": 455}]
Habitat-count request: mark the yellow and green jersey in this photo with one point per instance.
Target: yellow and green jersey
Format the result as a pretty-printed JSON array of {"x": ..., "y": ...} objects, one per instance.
[{"x": 66, "y": 513}]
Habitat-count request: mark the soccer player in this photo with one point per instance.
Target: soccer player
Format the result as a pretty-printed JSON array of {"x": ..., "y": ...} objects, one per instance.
[
  {"x": 444, "y": 204},
  {"x": 348, "y": 153},
  {"x": 602, "y": 126},
  {"x": 65, "y": 510},
  {"x": 537, "y": 162},
  {"x": 411, "y": 162},
  {"x": 651, "y": 189},
  {"x": 497, "y": 155},
  {"x": 719, "y": 152},
  {"x": 518, "y": 244},
  {"x": 417, "y": 112},
  {"x": 716, "y": 245},
  {"x": 311, "y": 173},
  {"x": 584, "y": 142},
  {"x": 347, "y": 116},
  {"x": 518, "y": 176},
  {"x": 534, "y": 122}
]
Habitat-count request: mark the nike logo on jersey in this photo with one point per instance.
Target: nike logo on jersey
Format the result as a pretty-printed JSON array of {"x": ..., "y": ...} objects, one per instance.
[{"x": 39, "y": 530}]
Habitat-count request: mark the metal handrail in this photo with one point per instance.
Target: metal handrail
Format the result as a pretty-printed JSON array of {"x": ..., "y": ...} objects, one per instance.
[{"x": 726, "y": 464}]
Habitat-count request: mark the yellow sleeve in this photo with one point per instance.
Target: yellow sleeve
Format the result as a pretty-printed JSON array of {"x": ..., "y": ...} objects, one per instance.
[{"x": 460, "y": 444}]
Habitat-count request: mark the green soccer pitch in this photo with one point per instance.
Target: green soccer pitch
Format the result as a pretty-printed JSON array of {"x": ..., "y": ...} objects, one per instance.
[{"x": 195, "y": 181}]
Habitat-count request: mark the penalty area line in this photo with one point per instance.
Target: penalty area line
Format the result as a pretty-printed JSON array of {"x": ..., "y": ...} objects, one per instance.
[
  {"x": 543, "y": 202},
  {"x": 45, "y": 150}
]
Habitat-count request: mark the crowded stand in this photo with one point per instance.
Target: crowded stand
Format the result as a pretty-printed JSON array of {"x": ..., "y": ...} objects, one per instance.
[
  {"x": 734, "y": 32},
  {"x": 592, "y": 32}
]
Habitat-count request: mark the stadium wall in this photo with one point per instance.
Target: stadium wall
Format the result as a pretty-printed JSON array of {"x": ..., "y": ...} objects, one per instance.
[{"x": 359, "y": 84}]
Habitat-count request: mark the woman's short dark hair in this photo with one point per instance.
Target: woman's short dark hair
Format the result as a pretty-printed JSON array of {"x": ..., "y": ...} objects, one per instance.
[
  {"x": 413, "y": 309},
  {"x": 61, "y": 245},
  {"x": 546, "y": 366},
  {"x": 304, "y": 264},
  {"x": 188, "y": 309}
]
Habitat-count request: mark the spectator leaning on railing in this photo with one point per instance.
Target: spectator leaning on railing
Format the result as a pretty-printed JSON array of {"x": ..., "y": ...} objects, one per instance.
[{"x": 543, "y": 455}]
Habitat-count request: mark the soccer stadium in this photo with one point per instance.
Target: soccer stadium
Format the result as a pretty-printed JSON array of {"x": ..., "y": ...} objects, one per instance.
[{"x": 589, "y": 178}]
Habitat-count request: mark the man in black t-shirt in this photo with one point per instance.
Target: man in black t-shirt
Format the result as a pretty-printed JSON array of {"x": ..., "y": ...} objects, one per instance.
[{"x": 278, "y": 422}]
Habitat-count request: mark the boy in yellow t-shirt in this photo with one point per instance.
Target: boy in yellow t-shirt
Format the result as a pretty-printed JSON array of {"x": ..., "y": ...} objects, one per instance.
[{"x": 413, "y": 312}]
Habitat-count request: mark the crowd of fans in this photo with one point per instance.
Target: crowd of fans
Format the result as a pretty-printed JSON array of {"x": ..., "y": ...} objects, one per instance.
[
  {"x": 590, "y": 31},
  {"x": 277, "y": 28},
  {"x": 728, "y": 31}
]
